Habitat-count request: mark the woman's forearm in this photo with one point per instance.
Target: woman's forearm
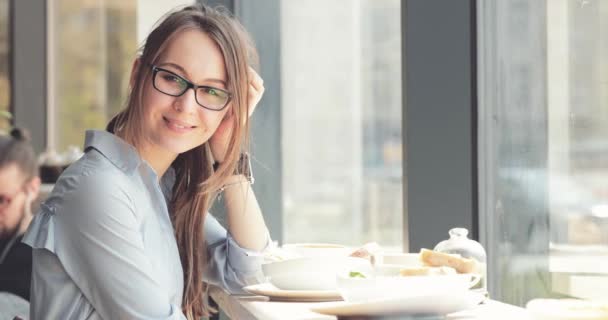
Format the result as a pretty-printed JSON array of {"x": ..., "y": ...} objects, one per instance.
[{"x": 245, "y": 221}]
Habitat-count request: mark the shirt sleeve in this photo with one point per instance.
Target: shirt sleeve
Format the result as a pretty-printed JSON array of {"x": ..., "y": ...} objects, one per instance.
[
  {"x": 101, "y": 248},
  {"x": 229, "y": 265}
]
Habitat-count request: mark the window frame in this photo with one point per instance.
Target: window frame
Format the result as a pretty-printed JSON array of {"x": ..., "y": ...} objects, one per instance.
[
  {"x": 266, "y": 126},
  {"x": 28, "y": 68},
  {"x": 440, "y": 119},
  {"x": 490, "y": 224}
]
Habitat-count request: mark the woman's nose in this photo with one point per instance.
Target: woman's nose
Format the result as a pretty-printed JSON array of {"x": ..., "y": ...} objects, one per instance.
[{"x": 186, "y": 102}]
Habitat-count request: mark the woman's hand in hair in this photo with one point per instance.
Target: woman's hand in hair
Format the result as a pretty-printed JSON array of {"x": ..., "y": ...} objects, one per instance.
[
  {"x": 220, "y": 139},
  {"x": 256, "y": 90}
]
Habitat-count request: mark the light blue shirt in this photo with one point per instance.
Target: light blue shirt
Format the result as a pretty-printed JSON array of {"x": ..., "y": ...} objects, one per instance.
[{"x": 104, "y": 246}]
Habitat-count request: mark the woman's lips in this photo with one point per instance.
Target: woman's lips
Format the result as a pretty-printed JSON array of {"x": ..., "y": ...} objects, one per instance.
[{"x": 178, "y": 126}]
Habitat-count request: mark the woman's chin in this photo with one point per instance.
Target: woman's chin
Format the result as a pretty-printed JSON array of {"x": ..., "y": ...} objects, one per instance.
[
  {"x": 178, "y": 146},
  {"x": 181, "y": 148}
]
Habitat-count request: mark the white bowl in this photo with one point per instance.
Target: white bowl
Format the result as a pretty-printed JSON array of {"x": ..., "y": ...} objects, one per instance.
[
  {"x": 317, "y": 249},
  {"x": 311, "y": 273},
  {"x": 355, "y": 289}
]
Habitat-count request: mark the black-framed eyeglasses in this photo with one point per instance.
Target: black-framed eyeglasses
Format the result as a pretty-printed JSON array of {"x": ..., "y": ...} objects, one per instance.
[{"x": 174, "y": 85}]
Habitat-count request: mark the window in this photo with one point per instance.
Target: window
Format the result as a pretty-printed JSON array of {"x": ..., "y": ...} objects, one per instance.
[
  {"x": 578, "y": 146},
  {"x": 341, "y": 121},
  {"x": 91, "y": 47},
  {"x": 5, "y": 89},
  {"x": 544, "y": 147}
]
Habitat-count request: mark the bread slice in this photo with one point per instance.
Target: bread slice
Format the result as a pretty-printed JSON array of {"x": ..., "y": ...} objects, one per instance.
[{"x": 439, "y": 259}]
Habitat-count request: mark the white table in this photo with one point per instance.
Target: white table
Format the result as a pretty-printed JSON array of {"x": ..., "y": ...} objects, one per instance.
[{"x": 259, "y": 307}]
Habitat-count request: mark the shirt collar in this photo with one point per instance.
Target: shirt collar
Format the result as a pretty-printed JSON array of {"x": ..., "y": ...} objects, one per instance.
[{"x": 120, "y": 153}]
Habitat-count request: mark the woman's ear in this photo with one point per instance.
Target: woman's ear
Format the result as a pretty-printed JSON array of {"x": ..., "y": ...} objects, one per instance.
[{"x": 134, "y": 70}]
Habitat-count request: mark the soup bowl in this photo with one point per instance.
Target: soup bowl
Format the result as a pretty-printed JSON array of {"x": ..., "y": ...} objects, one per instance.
[
  {"x": 317, "y": 249},
  {"x": 310, "y": 273}
]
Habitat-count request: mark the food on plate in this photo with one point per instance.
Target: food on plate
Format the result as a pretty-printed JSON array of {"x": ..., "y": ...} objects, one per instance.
[
  {"x": 440, "y": 259},
  {"x": 426, "y": 271},
  {"x": 356, "y": 274},
  {"x": 367, "y": 251}
]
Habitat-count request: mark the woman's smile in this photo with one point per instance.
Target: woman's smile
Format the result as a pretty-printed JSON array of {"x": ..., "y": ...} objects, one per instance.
[{"x": 178, "y": 126}]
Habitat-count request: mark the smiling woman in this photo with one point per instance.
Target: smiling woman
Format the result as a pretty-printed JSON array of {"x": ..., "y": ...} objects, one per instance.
[{"x": 125, "y": 234}]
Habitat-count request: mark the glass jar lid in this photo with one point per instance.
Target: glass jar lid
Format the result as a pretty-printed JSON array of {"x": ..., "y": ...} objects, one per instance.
[{"x": 459, "y": 243}]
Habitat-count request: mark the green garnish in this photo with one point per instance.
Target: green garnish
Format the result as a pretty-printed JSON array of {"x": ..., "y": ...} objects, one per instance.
[{"x": 355, "y": 274}]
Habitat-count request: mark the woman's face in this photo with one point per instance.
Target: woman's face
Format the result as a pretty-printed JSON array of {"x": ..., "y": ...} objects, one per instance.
[
  {"x": 178, "y": 124},
  {"x": 12, "y": 199}
]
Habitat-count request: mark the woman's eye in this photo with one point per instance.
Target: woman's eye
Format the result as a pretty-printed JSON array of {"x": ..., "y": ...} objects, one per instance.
[
  {"x": 172, "y": 78},
  {"x": 215, "y": 92}
]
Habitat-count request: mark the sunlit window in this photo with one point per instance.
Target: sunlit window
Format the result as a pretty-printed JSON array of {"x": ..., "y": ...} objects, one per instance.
[
  {"x": 341, "y": 121},
  {"x": 546, "y": 144},
  {"x": 578, "y": 145},
  {"x": 92, "y": 45}
]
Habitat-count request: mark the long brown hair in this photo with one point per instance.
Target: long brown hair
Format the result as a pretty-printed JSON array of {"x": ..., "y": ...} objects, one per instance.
[{"x": 196, "y": 182}]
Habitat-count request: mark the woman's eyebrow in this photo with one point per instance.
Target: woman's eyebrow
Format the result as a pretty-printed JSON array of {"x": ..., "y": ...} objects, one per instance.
[
  {"x": 176, "y": 66},
  {"x": 183, "y": 71},
  {"x": 219, "y": 81}
]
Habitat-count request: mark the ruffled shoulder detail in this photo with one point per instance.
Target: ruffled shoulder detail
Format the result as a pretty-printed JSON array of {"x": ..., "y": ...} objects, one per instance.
[{"x": 41, "y": 232}]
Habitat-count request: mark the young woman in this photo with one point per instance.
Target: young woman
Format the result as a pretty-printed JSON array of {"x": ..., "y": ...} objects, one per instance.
[
  {"x": 125, "y": 233},
  {"x": 19, "y": 186}
]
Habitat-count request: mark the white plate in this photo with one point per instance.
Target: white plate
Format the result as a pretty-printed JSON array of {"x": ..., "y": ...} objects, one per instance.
[
  {"x": 276, "y": 294},
  {"x": 391, "y": 287},
  {"x": 436, "y": 304}
]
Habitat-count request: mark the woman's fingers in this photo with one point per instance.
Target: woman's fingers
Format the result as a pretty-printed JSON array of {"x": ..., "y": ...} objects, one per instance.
[
  {"x": 256, "y": 89},
  {"x": 221, "y": 137},
  {"x": 255, "y": 95},
  {"x": 255, "y": 79}
]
